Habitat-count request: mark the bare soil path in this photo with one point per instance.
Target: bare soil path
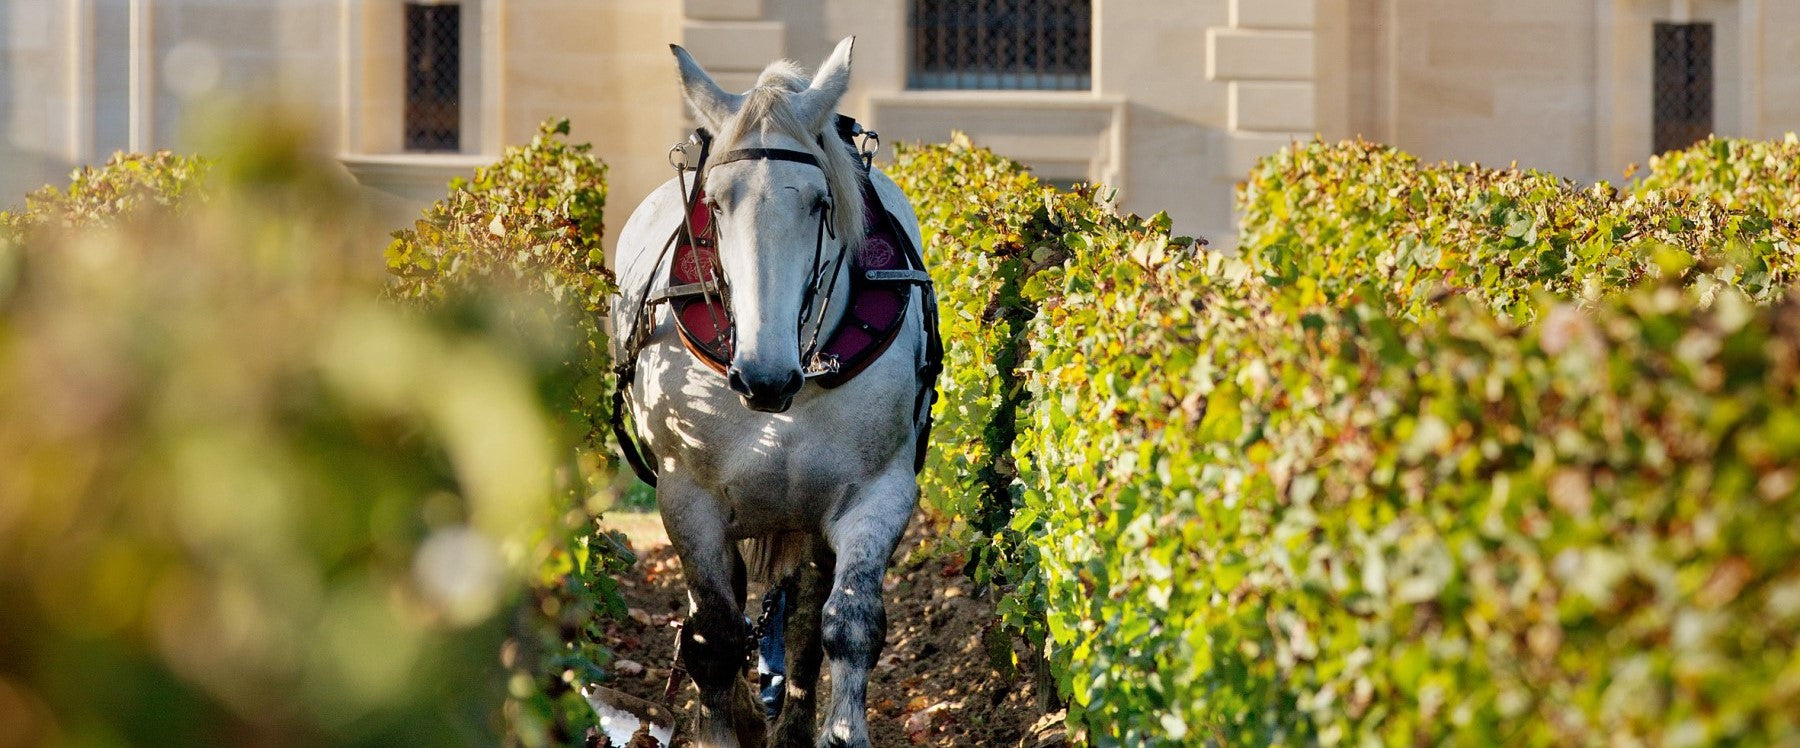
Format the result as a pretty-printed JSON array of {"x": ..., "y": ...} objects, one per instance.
[{"x": 938, "y": 685}]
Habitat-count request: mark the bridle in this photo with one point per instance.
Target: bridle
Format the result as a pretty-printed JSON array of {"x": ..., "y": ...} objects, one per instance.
[
  {"x": 830, "y": 363},
  {"x": 812, "y": 364}
]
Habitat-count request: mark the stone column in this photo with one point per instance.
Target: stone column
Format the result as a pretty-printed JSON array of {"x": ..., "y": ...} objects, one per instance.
[{"x": 1266, "y": 59}]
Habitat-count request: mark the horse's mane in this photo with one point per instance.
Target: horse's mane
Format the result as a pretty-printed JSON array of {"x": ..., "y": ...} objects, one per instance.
[{"x": 768, "y": 108}]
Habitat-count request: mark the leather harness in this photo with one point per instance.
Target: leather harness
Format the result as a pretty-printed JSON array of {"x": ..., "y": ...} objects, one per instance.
[{"x": 881, "y": 275}]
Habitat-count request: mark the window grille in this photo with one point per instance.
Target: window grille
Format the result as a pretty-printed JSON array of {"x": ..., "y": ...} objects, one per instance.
[
  {"x": 1684, "y": 84},
  {"x": 433, "y": 77},
  {"x": 1001, "y": 44}
]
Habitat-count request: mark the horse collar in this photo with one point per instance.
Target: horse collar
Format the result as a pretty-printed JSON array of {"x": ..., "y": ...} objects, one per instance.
[{"x": 881, "y": 273}]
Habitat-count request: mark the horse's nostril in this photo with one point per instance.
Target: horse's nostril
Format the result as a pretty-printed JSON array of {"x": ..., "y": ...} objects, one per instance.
[{"x": 764, "y": 391}]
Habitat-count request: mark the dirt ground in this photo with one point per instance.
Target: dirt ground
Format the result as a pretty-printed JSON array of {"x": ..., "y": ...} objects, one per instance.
[{"x": 937, "y": 685}]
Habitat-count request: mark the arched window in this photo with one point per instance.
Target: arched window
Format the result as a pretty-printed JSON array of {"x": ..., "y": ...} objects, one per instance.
[{"x": 1001, "y": 44}]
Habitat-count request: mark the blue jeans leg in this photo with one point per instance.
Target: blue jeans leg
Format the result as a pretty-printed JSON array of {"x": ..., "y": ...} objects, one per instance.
[{"x": 771, "y": 650}]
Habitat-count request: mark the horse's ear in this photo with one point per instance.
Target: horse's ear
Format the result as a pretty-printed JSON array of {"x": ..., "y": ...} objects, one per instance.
[
  {"x": 817, "y": 103},
  {"x": 711, "y": 104}
]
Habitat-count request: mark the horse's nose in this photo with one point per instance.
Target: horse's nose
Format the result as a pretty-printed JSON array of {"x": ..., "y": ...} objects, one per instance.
[{"x": 770, "y": 395}]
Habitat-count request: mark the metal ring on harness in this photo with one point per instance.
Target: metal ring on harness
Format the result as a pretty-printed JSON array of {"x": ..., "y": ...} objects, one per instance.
[
  {"x": 868, "y": 151},
  {"x": 693, "y": 139}
]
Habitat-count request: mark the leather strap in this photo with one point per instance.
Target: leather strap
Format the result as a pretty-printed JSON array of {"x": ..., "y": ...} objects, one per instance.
[
  {"x": 682, "y": 291},
  {"x": 898, "y": 276},
  {"x": 767, "y": 154}
]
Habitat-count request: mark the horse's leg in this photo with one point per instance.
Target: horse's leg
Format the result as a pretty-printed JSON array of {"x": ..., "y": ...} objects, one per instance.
[
  {"x": 795, "y": 728},
  {"x": 854, "y": 620},
  {"x": 713, "y": 641}
]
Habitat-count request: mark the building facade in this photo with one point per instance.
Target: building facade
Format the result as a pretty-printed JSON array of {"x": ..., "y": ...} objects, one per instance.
[{"x": 1169, "y": 101}]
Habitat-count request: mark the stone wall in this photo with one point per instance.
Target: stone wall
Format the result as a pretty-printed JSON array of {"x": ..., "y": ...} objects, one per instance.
[
  {"x": 1559, "y": 85},
  {"x": 1186, "y": 94}
]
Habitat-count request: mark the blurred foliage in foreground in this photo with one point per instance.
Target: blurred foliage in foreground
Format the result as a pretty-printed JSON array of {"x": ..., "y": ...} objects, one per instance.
[
  {"x": 249, "y": 501},
  {"x": 531, "y": 223}
]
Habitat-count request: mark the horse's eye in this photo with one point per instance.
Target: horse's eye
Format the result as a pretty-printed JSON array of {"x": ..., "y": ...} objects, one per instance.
[{"x": 822, "y": 204}]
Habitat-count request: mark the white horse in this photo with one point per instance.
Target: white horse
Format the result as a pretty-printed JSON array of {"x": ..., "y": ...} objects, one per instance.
[{"x": 761, "y": 454}]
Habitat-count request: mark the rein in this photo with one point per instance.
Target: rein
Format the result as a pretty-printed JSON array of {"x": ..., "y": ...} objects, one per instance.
[{"x": 637, "y": 335}]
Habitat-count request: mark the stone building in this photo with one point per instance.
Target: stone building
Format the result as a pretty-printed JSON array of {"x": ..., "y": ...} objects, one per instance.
[{"x": 1170, "y": 101}]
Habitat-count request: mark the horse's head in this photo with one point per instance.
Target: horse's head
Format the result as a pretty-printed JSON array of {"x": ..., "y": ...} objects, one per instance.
[{"x": 774, "y": 212}]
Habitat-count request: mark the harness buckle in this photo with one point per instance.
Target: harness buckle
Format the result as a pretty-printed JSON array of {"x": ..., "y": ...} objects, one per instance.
[
  {"x": 703, "y": 288},
  {"x": 823, "y": 363}
]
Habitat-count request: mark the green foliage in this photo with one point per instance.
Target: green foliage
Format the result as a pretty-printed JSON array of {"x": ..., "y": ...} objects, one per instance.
[
  {"x": 997, "y": 240},
  {"x": 985, "y": 227},
  {"x": 1325, "y": 219},
  {"x": 247, "y": 500},
  {"x": 127, "y": 183},
  {"x": 1450, "y": 528},
  {"x": 1372, "y": 481},
  {"x": 557, "y": 643},
  {"x": 1735, "y": 173},
  {"x": 534, "y": 217},
  {"x": 1477, "y": 533},
  {"x": 1124, "y": 470},
  {"x": 530, "y": 221},
  {"x": 257, "y": 459},
  {"x": 1338, "y": 525}
]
